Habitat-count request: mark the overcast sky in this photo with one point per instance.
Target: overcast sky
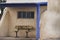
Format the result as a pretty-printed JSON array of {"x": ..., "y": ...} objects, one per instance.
[
  {"x": 43, "y": 0},
  {"x": 25, "y": 1}
]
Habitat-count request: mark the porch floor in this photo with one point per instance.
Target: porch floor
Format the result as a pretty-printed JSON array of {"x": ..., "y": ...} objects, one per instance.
[
  {"x": 53, "y": 39},
  {"x": 14, "y": 38}
]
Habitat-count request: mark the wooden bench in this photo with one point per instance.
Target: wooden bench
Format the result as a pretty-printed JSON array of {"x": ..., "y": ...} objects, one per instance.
[{"x": 27, "y": 28}]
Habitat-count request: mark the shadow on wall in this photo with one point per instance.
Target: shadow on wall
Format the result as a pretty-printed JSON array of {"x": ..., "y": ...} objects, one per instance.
[
  {"x": 4, "y": 24},
  {"x": 43, "y": 9}
]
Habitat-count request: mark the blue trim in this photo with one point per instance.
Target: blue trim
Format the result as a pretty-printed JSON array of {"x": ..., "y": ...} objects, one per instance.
[
  {"x": 17, "y": 4},
  {"x": 43, "y": 4},
  {"x": 38, "y": 20},
  {"x": 22, "y": 4}
]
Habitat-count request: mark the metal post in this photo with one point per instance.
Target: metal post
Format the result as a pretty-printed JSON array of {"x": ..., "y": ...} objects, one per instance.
[{"x": 38, "y": 21}]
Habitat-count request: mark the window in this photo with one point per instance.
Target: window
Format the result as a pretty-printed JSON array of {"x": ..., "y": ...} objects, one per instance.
[
  {"x": 32, "y": 15},
  {"x": 22, "y": 14}
]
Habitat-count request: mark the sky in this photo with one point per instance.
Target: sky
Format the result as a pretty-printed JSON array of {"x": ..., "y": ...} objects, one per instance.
[
  {"x": 43, "y": 0},
  {"x": 25, "y": 1}
]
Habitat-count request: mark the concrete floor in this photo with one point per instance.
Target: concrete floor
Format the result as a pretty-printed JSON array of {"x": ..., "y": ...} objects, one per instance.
[
  {"x": 14, "y": 38},
  {"x": 53, "y": 39}
]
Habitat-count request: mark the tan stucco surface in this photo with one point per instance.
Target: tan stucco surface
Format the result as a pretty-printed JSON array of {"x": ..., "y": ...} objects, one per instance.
[
  {"x": 50, "y": 21},
  {"x": 4, "y": 24},
  {"x": 9, "y": 21},
  {"x": 43, "y": 9}
]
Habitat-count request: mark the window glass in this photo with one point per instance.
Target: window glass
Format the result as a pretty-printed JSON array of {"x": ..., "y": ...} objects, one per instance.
[
  {"x": 32, "y": 15},
  {"x": 20, "y": 15},
  {"x": 28, "y": 14},
  {"x": 23, "y": 14}
]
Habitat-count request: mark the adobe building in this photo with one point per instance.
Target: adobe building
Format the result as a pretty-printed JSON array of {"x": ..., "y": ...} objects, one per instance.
[
  {"x": 20, "y": 19},
  {"x": 50, "y": 21}
]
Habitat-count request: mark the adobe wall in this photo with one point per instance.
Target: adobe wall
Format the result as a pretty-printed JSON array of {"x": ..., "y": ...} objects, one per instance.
[
  {"x": 4, "y": 23},
  {"x": 14, "y": 21}
]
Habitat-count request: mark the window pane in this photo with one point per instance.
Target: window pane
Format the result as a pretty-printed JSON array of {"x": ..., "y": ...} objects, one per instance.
[
  {"x": 24, "y": 14},
  {"x": 28, "y": 14},
  {"x": 20, "y": 15},
  {"x": 32, "y": 15}
]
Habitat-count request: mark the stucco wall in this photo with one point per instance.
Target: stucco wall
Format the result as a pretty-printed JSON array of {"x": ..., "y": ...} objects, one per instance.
[
  {"x": 50, "y": 23},
  {"x": 4, "y": 24},
  {"x": 14, "y": 21},
  {"x": 43, "y": 9},
  {"x": 9, "y": 21}
]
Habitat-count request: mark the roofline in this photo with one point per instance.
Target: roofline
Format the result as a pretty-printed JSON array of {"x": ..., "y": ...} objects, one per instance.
[
  {"x": 22, "y": 4},
  {"x": 43, "y": 4}
]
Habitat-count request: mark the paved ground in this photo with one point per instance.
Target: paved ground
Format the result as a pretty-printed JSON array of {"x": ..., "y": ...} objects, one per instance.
[
  {"x": 13, "y": 38},
  {"x": 53, "y": 39}
]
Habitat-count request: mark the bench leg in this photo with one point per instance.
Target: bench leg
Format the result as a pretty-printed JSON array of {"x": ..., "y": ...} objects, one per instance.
[{"x": 27, "y": 34}]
